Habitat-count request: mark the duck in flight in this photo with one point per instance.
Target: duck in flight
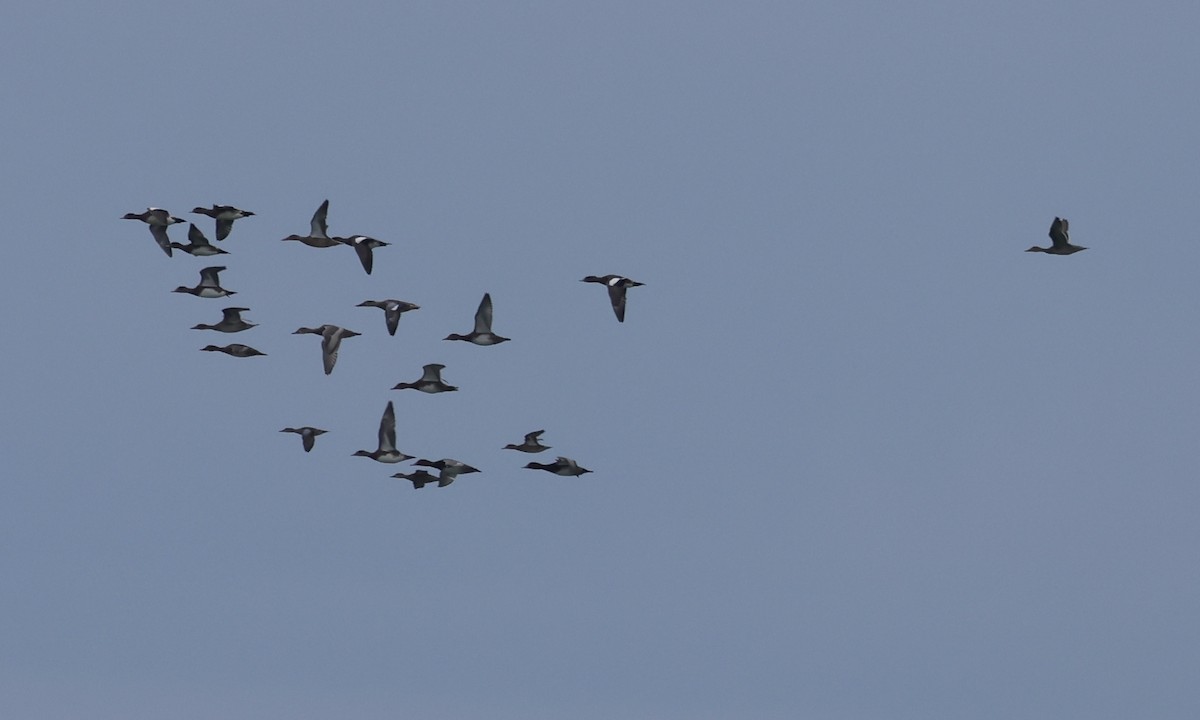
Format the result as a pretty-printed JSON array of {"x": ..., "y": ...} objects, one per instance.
[
  {"x": 331, "y": 341},
  {"x": 448, "y": 469},
  {"x": 224, "y": 215},
  {"x": 209, "y": 287},
  {"x": 617, "y": 286},
  {"x": 318, "y": 233},
  {"x": 1060, "y": 239},
  {"x": 158, "y": 220},
  {"x": 419, "y": 478},
  {"x": 482, "y": 334},
  {"x": 198, "y": 245},
  {"x": 429, "y": 382},
  {"x": 561, "y": 466},
  {"x": 234, "y": 349},
  {"x": 386, "y": 452},
  {"x": 364, "y": 247},
  {"x": 308, "y": 435},
  {"x": 531, "y": 445},
  {"x": 392, "y": 310},
  {"x": 231, "y": 322}
]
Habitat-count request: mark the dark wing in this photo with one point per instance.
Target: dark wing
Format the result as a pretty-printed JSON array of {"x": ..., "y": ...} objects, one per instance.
[
  {"x": 365, "y": 256},
  {"x": 208, "y": 276},
  {"x": 195, "y": 236},
  {"x": 309, "y": 439},
  {"x": 160, "y": 236},
  {"x": 616, "y": 295},
  {"x": 1060, "y": 232},
  {"x": 432, "y": 373},
  {"x": 532, "y": 438},
  {"x": 233, "y": 314},
  {"x": 318, "y": 228},
  {"x": 483, "y": 316},
  {"x": 223, "y": 228},
  {"x": 330, "y": 343},
  {"x": 387, "y": 429},
  {"x": 392, "y": 315}
]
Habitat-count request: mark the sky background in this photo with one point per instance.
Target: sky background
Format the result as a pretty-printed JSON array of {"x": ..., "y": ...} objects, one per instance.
[{"x": 856, "y": 455}]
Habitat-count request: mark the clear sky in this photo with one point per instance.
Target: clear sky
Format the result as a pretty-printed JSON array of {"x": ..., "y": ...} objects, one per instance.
[{"x": 855, "y": 453}]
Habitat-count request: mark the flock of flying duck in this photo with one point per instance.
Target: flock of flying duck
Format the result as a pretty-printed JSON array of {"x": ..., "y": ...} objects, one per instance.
[{"x": 431, "y": 381}]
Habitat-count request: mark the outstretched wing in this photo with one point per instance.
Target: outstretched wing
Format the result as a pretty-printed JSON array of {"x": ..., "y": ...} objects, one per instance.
[
  {"x": 318, "y": 228},
  {"x": 483, "y": 316},
  {"x": 1060, "y": 233},
  {"x": 387, "y": 429},
  {"x": 616, "y": 295},
  {"x": 160, "y": 236}
]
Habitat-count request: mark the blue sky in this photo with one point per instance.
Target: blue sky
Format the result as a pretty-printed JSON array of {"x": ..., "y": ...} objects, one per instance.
[{"x": 856, "y": 454}]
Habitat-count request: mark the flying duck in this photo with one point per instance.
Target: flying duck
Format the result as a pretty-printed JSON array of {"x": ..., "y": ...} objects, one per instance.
[
  {"x": 318, "y": 234},
  {"x": 448, "y": 469},
  {"x": 198, "y": 245},
  {"x": 234, "y": 349},
  {"x": 158, "y": 220},
  {"x": 308, "y": 435},
  {"x": 331, "y": 340},
  {"x": 482, "y": 334},
  {"x": 561, "y": 466},
  {"x": 392, "y": 309},
  {"x": 364, "y": 246},
  {"x": 224, "y": 215},
  {"x": 386, "y": 452},
  {"x": 419, "y": 478},
  {"x": 531, "y": 444},
  {"x": 209, "y": 287},
  {"x": 617, "y": 286},
  {"x": 231, "y": 322},
  {"x": 1060, "y": 238},
  {"x": 430, "y": 381}
]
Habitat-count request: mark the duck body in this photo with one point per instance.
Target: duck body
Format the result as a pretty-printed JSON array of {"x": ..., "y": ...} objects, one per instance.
[
  {"x": 318, "y": 233},
  {"x": 234, "y": 349},
  {"x": 331, "y": 342},
  {"x": 364, "y": 247},
  {"x": 224, "y": 215},
  {"x": 386, "y": 451},
  {"x": 231, "y": 322},
  {"x": 1060, "y": 239},
  {"x": 308, "y": 435},
  {"x": 429, "y": 382},
  {"x": 561, "y": 466},
  {"x": 198, "y": 245},
  {"x": 419, "y": 478},
  {"x": 617, "y": 286},
  {"x": 448, "y": 469},
  {"x": 158, "y": 220},
  {"x": 392, "y": 310},
  {"x": 482, "y": 334},
  {"x": 209, "y": 286},
  {"x": 531, "y": 444}
]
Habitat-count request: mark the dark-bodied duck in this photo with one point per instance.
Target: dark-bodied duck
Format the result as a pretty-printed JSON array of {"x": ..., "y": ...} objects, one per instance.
[
  {"x": 419, "y": 478},
  {"x": 364, "y": 247},
  {"x": 561, "y": 466},
  {"x": 318, "y": 233},
  {"x": 482, "y": 334},
  {"x": 231, "y": 322},
  {"x": 234, "y": 349},
  {"x": 209, "y": 287},
  {"x": 224, "y": 215},
  {"x": 448, "y": 469},
  {"x": 386, "y": 452},
  {"x": 392, "y": 309},
  {"x": 308, "y": 435},
  {"x": 1060, "y": 239},
  {"x": 430, "y": 381},
  {"x": 617, "y": 286},
  {"x": 198, "y": 245},
  {"x": 331, "y": 341},
  {"x": 158, "y": 220},
  {"x": 531, "y": 445}
]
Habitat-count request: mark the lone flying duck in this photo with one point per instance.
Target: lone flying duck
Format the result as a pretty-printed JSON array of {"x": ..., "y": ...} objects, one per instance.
[
  {"x": 617, "y": 286},
  {"x": 482, "y": 334},
  {"x": 1060, "y": 238}
]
